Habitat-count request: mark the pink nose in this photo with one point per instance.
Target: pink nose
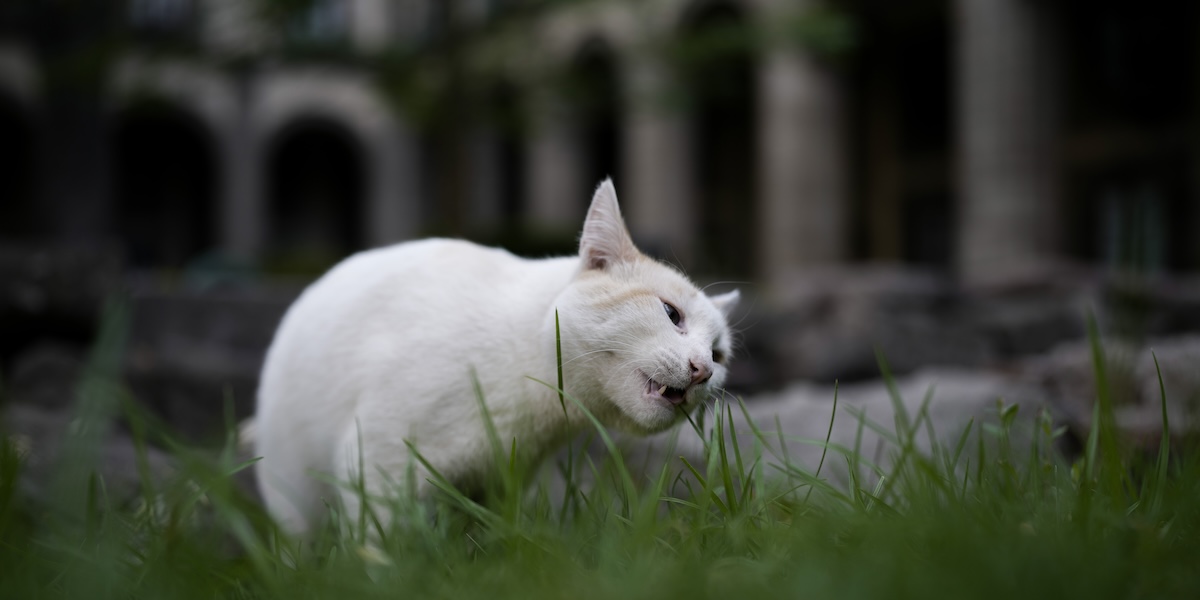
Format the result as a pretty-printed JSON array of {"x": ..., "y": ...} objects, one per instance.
[{"x": 700, "y": 372}]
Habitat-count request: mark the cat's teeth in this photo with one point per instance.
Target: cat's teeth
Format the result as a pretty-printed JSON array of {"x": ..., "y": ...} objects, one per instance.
[{"x": 662, "y": 389}]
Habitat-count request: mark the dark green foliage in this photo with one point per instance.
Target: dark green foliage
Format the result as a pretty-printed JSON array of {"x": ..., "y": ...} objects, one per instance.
[{"x": 996, "y": 514}]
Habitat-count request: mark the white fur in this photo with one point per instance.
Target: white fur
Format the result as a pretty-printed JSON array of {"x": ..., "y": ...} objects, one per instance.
[{"x": 381, "y": 351}]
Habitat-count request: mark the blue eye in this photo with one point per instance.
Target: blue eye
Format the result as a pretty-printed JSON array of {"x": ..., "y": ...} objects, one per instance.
[{"x": 672, "y": 313}]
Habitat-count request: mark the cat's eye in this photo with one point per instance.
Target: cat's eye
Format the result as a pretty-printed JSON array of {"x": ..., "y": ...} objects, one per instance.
[
  {"x": 718, "y": 356},
  {"x": 672, "y": 313}
]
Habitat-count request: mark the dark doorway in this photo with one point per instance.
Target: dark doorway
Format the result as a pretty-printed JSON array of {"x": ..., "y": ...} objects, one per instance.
[
  {"x": 718, "y": 65},
  {"x": 16, "y": 166},
  {"x": 901, "y": 82},
  {"x": 316, "y": 196},
  {"x": 507, "y": 124},
  {"x": 1129, "y": 122},
  {"x": 595, "y": 95},
  {"x": 164, "y": 181}
]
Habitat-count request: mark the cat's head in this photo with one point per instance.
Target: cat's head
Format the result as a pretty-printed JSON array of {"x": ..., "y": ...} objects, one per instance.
[{"x": 641, "y": 344}]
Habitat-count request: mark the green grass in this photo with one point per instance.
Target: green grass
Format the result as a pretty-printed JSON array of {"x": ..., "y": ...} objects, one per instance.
[{"x": 985, "y": 517}]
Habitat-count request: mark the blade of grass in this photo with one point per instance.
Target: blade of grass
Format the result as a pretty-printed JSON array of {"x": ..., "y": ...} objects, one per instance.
[
  {"x": 737, "y": 448},
  {"x": 626, "y": 479},
  {"x": 1113, "y": 477},
  {"x": 710, "y": 493},
  {"x": 723, "y": 466},
  {"x": 1164, "y": 445},
  {"x": 901, "y": 416},
  {"x": 476, "y": 510},
  {"x": 559, "y": 363},
  {"x": 828, "y": 436}
]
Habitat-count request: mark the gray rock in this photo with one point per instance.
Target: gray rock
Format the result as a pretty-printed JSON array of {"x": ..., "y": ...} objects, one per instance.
[
  {"x": 1028, "y": 322},
  {"x": 828, "y": 324},
  {"x": 190, "y": 352},
  {"x": 53, "y": 293},
  {"x": 45, "y": 375},
  {"x": 43, "y": 438},
  {"x": 1068, "y": 375},
  {"x": 62, "y": 281},
  {"x": 958, "y": 399}
]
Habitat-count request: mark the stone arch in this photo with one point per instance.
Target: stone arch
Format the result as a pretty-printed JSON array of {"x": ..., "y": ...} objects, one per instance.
[
  {"x": 718, "y": 73},
  {"x": 316, "y": 194},
  {"x": 385, "y": 144},
  {"x": 17, "y": 217},
  {"x": 165, "y": 178},
  {"x": 593, "y": 91}
]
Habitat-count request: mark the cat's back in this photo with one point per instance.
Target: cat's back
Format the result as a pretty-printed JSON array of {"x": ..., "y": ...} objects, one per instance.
[
  {"x": 433, "y": 263},
  {"x": 423, "y": 294},
  {"x": 435, "y": 276}
]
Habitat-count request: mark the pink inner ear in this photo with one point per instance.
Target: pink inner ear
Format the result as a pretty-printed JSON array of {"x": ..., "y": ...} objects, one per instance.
[
  {"x": 597, "y": 262},
  {"x": 605, "y": 238}
]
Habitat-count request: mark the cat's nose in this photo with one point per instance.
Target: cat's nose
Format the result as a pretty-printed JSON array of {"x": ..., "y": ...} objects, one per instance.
[{"x": 701, "y": 372}]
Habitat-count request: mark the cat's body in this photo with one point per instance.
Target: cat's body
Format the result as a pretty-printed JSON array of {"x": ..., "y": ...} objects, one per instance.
[{"x": 383, "y": 349}]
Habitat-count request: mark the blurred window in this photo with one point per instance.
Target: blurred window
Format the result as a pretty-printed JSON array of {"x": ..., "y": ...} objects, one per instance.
[
  {"x": 323, "y": 21},
  {"x": 437, "y": 19},
  {"x": 16, "y": 166},
  {"x": 160, "y": 15},
  {"x": 1134, "y": 234},
  {"x": 493, "y": 9},
  {"x": 420, "y": 21}
]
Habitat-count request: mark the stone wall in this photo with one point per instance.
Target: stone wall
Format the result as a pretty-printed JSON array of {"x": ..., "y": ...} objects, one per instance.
[
  {"x": 828, "y": 324},
  {"x": 194, "y": 345}
]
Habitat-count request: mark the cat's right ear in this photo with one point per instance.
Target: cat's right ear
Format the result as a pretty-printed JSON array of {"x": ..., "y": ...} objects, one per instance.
[
  {"x": 726, "y": 302},
  {"x": 605, "y": 240}
]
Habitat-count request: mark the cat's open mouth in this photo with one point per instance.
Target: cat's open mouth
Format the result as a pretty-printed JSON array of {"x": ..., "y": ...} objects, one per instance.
[{"x": 657, "y": 390}]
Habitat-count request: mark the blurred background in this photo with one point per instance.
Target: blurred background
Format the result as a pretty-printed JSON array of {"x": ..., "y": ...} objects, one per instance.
[{"x": 953, "y": 182}]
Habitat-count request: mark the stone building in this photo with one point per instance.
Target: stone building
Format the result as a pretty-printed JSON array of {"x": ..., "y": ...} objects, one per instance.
[{"x": 987, "y": 137}]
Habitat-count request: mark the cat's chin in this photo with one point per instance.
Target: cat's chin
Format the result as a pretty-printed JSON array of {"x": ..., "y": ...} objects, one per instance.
[
  {"x": 652, "y": 418},
  {"x": 654, "y": 408}
]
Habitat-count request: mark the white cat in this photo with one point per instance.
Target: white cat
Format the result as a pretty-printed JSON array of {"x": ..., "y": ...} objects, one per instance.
[{"x": 382, "y": 350}]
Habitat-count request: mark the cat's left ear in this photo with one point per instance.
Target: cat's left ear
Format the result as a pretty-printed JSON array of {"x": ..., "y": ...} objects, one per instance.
[
  {"x": 605, "y": 240},
  {"x": 726, "y": 302}
]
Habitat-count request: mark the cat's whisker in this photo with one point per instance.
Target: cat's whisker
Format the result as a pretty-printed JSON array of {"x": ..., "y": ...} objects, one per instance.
[
  {"x": 737, "y": 329},
  {"x": 727, "y": 282},
  {"x": 607, "y": 340},
  {"x": 615, "y": 342},
  {"x": 586, "y": 354}
]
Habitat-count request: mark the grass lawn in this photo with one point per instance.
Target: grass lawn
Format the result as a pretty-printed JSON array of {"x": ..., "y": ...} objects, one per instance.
[{"x": 983, "y": 518}]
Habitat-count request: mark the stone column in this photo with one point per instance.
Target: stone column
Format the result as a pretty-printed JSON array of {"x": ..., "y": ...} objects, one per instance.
[
  {"x": 1009, "y": 206},
  {"x": 393, "y": 207},
  {"x": 554, "y": 169},
  {"x": 657, "y": 198},
  {"x": 1191, "y": 252},
  {"x": 803, "y": 202},
  {"x": 242, "y": 208},
  {"x": 370, "y": 23}
]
